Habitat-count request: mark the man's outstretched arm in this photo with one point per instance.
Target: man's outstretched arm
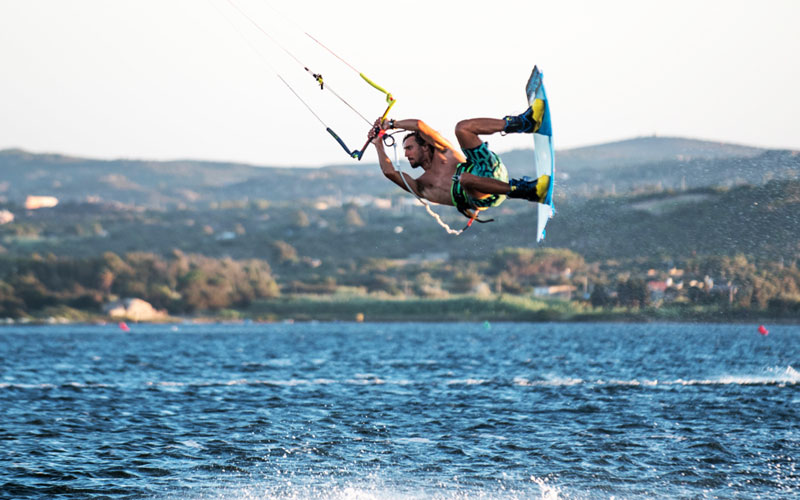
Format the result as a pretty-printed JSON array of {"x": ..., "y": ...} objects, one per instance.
[{"x": 387, "y": 167}]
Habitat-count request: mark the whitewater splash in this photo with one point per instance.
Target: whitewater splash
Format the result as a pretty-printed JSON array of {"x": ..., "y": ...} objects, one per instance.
[
  {"x": 374, "y": 489},
  {"x": 770, "y": 376}
]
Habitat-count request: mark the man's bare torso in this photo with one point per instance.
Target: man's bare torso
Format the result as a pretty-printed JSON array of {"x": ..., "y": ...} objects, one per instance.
[{"x": 434, "y": 184}]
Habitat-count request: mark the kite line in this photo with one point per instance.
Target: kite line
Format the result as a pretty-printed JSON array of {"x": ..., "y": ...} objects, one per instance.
[{"x": 323, "y": 85}]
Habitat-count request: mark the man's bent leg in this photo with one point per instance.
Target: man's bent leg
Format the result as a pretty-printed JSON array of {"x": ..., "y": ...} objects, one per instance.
[
  {"x": 479, "y": 186},
  {"x": 467, "y": 131}
]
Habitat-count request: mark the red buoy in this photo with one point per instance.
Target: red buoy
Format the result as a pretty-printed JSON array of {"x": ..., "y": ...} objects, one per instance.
[
  {"x": 762, "y": 330},
  {"x": 124, "y": 327}
]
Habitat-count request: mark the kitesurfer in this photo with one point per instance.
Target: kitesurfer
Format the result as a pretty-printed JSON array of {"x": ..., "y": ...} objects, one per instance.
[{"x": 473, "y": 178}]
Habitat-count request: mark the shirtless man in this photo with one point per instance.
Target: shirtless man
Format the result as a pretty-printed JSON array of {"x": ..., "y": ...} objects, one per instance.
[{"x": 472, "y": 179}]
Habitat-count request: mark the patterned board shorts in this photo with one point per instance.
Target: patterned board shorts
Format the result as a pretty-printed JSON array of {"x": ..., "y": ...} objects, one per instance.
[{"x": 483, "y": 163}]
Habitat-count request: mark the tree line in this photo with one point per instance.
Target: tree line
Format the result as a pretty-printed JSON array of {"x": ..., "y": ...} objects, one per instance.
[
  {"x": 179, "y": 283},
  {"x": 183, "y": 283}
]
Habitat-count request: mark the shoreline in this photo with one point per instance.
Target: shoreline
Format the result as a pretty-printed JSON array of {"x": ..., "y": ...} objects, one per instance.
[{"x": 471, "y": 309}]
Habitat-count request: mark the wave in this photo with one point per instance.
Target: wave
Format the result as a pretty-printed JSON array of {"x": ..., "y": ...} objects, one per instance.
[
  {"x": 64, "y": 385},
  {"x": 466, "y": 381},
  {"x": 770, "y": 376},
  {"x": 550, "y": 382}
]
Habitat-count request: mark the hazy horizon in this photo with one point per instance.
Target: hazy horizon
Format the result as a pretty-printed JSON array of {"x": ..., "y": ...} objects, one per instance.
[{"x": 345, "y": 161}]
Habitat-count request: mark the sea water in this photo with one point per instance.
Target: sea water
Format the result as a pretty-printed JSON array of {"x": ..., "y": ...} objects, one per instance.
[{"x": 400, "y": 411}]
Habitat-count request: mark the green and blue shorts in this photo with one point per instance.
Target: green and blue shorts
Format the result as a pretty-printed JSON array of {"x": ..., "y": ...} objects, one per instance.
[{"x": 483, "y": 163}]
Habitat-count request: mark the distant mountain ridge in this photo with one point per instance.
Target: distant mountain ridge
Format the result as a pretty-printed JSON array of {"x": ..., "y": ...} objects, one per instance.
[
  {"x": 652, "y": 149},
  {"x": 617, "y": 167}
]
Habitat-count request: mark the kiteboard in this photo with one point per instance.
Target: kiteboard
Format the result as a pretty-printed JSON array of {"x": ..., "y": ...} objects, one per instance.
[{"x": 544, "y": 156}]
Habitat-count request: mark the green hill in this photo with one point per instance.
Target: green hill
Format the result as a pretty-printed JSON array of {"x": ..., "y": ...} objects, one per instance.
[
  {"x": 643, "y": 150},
  {"x": 195, "y": 236},
  {"x": 636, "y": 165},
  {"x": 725, "y": 200}
]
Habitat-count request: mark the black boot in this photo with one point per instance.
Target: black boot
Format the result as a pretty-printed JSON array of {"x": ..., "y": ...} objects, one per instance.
[
  {"x": 530, "y": 189},
  {"x": 527, "y": 122}
]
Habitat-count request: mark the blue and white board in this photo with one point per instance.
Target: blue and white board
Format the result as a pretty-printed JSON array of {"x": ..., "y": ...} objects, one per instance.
[{"x": 545, "y": 158}]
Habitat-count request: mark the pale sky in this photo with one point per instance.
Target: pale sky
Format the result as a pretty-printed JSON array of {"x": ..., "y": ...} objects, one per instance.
[{"x": 193, "y": 79}]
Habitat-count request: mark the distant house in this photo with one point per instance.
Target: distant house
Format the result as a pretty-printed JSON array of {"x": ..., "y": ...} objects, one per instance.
[
  {"x": 675, "y": 272},
  {"x": 134, "y": 310},
  {"x": 657, "y": 289},
  {"x": 37, "y": 202},
  {"x": 555, "y": 291},
  {"x": 321, "y": 205},
  {"x": 727, "y": 291},
  {"x": 361, "y": 201},
  {"x": 382, "y": 203},
  {"x": 481, "y": 289},
  {"x": 225, "y": 236},
  {"x": 707, "y": 283},
  {"x": 6, "y": 217},
  {"x": 429, "y": 257}
]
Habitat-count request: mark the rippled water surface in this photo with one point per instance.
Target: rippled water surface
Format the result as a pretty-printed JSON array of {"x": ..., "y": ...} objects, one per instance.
[{"x": 400, "y": 411}]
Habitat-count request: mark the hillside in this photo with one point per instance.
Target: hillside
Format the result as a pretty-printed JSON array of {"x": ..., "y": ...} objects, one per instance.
[
  {"x": 636, "y": 165},
  {"x": 218, "y": 255},
  {"x": 761, "y": 221},
  {"x": 679, "y": 175},
  {"x": 714, "y": 203},
  {"x": 643, "y": 150}
]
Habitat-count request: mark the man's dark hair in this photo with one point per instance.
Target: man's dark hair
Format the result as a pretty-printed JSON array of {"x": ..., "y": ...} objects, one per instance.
[{"x": 417, "y": 137}]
